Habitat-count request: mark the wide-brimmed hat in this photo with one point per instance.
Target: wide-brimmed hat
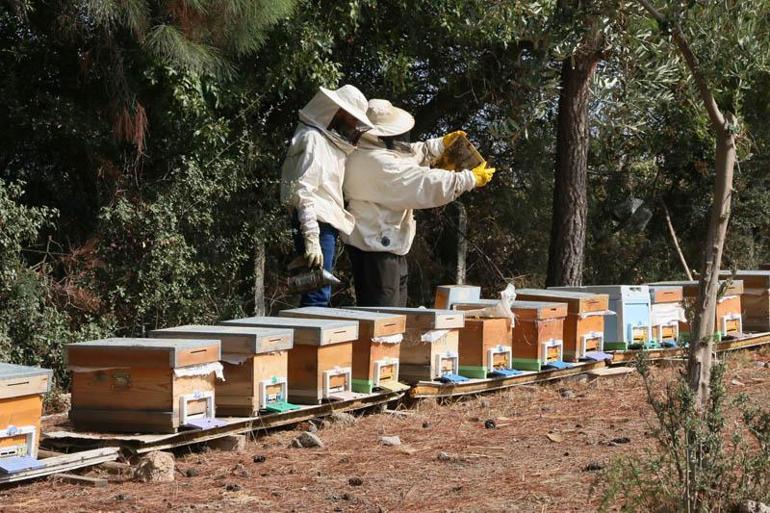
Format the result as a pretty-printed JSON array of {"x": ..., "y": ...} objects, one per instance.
[
  {"x": 350, "y": 99},
  {"x": 387, "y": 119}
]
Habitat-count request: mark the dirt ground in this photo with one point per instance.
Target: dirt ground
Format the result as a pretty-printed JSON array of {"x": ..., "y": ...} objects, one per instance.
[{"x": 535, "y": 460}]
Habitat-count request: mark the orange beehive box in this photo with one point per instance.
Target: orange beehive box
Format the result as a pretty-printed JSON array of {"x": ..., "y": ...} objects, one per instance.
[
  {"x": 143, "y": 385},
  {"x": 538, "y": 334},
  {"x": 584, "y": 324},
  {"x": 320, "y": 363},
  {"x": 255, "y": 362},
  {"x": 377, "y": 351},
  {"x": 430, "y": 347},
  {"x": 729, "y": 318},
  {"x": 21, "y": 405},
  {"x": 485, "y": 346},
  {"x": 755, "y": 300}
]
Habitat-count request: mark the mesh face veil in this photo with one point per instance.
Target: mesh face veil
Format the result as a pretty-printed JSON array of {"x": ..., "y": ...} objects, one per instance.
[{"x": 347, "y": 126}]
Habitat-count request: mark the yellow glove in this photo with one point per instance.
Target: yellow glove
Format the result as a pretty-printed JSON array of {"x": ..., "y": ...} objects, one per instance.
[
  {"x": 449, "y": 138},
  {"x": 483, "y": 174}
]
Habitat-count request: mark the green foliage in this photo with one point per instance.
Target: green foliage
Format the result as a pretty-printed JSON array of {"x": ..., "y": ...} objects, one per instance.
[
  {"x": 32, "y": 327},
  {"x": 702, "y": 463}
]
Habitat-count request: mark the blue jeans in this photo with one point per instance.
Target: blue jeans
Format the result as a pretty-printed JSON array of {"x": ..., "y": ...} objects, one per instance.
[{"x": 328, "y": 240}]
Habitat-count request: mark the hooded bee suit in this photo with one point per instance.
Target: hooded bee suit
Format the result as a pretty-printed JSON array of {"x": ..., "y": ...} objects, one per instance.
[
  {"x": 312, "y": 177},
  {"x": 383, "y": 186}
]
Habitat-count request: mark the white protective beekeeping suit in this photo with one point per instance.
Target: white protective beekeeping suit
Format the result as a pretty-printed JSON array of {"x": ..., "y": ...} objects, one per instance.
[
  {"x": 384, "y": 186},
  {"x": 314, "y": 169}
]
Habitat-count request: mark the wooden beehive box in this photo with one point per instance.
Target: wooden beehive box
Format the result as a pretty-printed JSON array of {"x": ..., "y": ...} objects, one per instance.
[
  {"x": 755, "y": 300},
  {"x": 629, "y": 327},
  {"x": 21, "y": 405},
  {"x": 377, "y": 350},
  {"x": 538, "y": 334},
  {"x": 666, "y": 314},
  {"x": 448, "y": 295},
  {"x": 484, "y": 346},
  {"x": 321, "y": 361},
  {"x": 255, "y": 362},
  {"x": 584, "y": 324},
  {"x": 729, "y": 319},
  {"x": 430, "y": 347},
  {"x": 143, "y": 385}
]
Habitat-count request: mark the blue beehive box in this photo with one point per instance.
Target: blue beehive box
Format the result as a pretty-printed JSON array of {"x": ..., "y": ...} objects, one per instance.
[{"x": 630, "y": 327}]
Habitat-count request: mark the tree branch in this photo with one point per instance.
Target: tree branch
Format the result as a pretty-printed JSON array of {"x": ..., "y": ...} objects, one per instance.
[{"x": 715, "y": 115}]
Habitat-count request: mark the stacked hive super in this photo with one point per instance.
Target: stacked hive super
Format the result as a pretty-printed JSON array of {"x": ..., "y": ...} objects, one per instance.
[
  {"x": 320, "y": 363},
  {"x": 430, "y": 347},
  {"x": 484, "y": 342},
  {"x": 538, "y": 335},
  {"x": 666, "y": 314},
  {"x": 255, "y": 362},
  {"x": 755, "y": 300},
  {"x": 144, "y": 385},
  {"x": 21, "y": 405},
  {"x": 729, "y": 320},
  {"x": 629, "y": 326},
  {"x": 376, "y": 353},
  {"x": 584, "y": 325}
]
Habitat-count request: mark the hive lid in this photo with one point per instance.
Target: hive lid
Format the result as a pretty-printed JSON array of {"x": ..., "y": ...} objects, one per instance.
[
  {"x": 142, "y": 352},
  {"x": 313, "y": 332},
  {"x": 21, "y": 380},
  {"x": 755, "y": 279},
  {"x": 539, "y": 309},
  {"x": 378, "y": 324},
  {"x": 626, "y": 293},
  {"x": 447, "y": 295},
  {"x": 423, "y": 318},
  {"x": 577, "y": 302},
  {"x": 690, "y": 288},
  {"x": 234, "y": 339}
]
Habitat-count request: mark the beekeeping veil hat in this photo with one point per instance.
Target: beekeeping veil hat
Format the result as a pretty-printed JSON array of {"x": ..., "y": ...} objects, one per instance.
[{"x": 387, "y": 119}]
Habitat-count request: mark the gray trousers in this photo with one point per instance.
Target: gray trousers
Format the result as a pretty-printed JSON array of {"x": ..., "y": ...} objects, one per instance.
[{"x": 379, "y": 278}]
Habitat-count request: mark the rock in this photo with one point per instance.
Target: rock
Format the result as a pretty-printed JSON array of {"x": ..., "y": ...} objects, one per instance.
[
  {"x": 240, "y": 471},
  {"x": 390, "y": 441},
  {"x": 425, "y": 425},
  {"x": 593, "y": 467},
  {"x": 566, "y": 393},
  {"x": 307, "y": 426},
  {"x": 489, "y": 424},
  {"x": 259, "y": 458},
  {"x": 306, "y": 440},
  {"x": 192, "y": 472},
  {"x": 155, "y": 467},
  {"x": 122, "y": 497},
  {"x": 229, "y": 443},
  {"x": 346, "y": 496},
  {"x": 341, "y": 418},
  {"x": 325, "y": 424},
  {"x": 555, "y": 437},
  {"x": 621, "y": 440},
  {"x": 233, "y": 487},
  {"x": 753, "y": 507},
  {"x": 442, "y": 456},
  {"x": 355, "y": 481}
]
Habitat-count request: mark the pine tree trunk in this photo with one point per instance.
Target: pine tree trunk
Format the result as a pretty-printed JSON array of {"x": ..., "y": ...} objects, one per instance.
[
  {"x": 570, "y": 197},
  {"x": 699, "y": 362}
]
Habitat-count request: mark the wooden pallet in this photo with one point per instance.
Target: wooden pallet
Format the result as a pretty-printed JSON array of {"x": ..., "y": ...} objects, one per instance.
[
  {"x": 746, "y": 342},
  {"x": 435, "y": 389},
  {"x": 65, "y": 463},
  {"x": 142, "y": 443}
]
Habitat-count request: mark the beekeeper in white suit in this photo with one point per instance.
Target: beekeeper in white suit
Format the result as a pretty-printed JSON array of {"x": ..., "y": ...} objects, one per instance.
[
  {"x": 386, "y": 179},
  {"x": 330, "y": 126}
]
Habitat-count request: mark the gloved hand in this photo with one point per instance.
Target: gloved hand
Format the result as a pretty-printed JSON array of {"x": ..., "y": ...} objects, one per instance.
[
  {"x": 483, "y": 174},
  {"x": 449, "y": 138},
  {"x": 313, "y": 254}
]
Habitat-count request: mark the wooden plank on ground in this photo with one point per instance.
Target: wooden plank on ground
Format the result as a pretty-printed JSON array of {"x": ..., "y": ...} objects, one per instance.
[
  {"x": 65, "y": 463},
  {"x": 610, "y": 371},
  {"x": 96, "y": 482},
  {"x": 426, "y": 389}
]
